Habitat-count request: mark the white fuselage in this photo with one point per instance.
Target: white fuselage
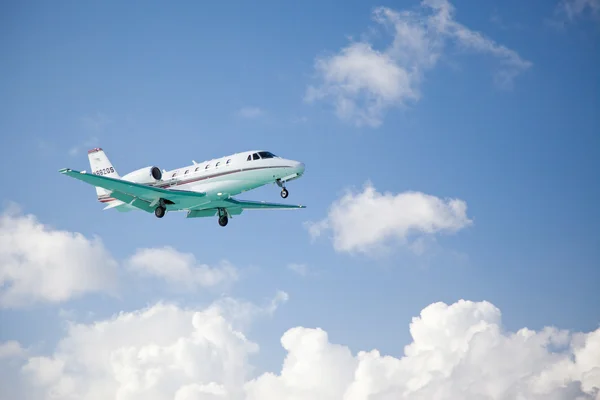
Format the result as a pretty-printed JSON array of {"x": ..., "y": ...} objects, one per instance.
[{"x": 231, "y": 175}]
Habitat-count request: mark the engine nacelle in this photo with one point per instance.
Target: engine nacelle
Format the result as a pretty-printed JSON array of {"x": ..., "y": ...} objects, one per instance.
[{"x": 144, "y": 175}]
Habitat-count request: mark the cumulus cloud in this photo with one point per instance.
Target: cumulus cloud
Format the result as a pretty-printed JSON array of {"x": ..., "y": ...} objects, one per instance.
[
  {"x": 365, "y": 222},
  {"x": 457, "y": 351},
  {"x": 363, "y": 82},
  {"x": 160, "y": 352},
  {"x": 250, "y": 112},
  {"x": 42, "y": 264},
  {"x": 181, "y": 269}
]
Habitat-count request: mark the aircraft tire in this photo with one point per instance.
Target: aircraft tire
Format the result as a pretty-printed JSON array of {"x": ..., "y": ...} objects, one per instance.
[
  {"x": 160, "y": 211},
  {"x": 223, "y": 220},
  {"x": 284, "y": 193}
]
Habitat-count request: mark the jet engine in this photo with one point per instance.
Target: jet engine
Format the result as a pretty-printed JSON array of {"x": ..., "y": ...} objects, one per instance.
[{"x": 144, "y": 176}]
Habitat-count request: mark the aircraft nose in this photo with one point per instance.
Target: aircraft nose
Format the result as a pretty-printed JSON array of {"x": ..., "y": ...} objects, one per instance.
[{"x": 300, "y": 167}]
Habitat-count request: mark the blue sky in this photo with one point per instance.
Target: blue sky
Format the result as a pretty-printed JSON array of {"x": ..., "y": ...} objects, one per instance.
[{"x": 157, "y": 84}]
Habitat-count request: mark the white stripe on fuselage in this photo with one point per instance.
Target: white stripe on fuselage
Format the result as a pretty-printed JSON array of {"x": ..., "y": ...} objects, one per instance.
[{"x": 230, "y": 179}]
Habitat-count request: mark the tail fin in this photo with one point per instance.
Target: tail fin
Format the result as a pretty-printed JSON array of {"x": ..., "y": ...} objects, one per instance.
[{"x": 101, "y": 165}]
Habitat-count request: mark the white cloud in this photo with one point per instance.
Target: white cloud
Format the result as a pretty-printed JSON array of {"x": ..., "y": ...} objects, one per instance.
[
  {"x": 93, "y": 125},
  {"x": 366, "y": 221},
  {"x": 86, "y": 145},
  {"x": 576, "y": 8},
  {"x": 42, "y": 264},
  {"x": 179, "y": 268},
  {"x": 163, "y": 351},
  {"x": 458, "y": 351},
  {"x": 96, "y": 122},
  {"x": 300, "y": 269},
  {"x": 250, "y": 112},
  {"x": 363, "y": 82},
  {"x": 11, "y": 349}
]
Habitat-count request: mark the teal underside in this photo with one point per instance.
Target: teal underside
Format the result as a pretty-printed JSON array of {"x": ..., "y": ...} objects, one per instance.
[{"x": 146, "y": 198}]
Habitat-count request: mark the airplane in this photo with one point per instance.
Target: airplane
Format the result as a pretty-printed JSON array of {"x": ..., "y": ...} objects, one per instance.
[{"x": 203, "y": 189}]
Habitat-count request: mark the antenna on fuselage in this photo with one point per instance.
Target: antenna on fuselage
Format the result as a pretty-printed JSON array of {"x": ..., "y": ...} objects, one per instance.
[{"x": 194, "y": 161}]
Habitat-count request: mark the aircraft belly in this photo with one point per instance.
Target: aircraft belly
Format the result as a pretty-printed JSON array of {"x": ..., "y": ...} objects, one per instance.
[
  {"x": 226, "y": 188},
  {"x": 219, "y": 188}
]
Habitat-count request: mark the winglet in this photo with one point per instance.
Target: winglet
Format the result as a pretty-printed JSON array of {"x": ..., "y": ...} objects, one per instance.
[{"x": 64, "y": 170}]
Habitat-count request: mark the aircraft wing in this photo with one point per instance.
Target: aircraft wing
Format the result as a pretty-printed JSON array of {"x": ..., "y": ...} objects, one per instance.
[
  {"x": 138, "y": 195},
  {"x": 260, "y": 205},
  {"x": 235, "y": 207}
]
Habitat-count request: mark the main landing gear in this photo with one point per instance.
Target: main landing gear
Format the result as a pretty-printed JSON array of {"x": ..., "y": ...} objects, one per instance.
[
  {"x": 284, "y": 193},
  {"x": 160, "y": 211},
  {"x": 223, "y": 219}
]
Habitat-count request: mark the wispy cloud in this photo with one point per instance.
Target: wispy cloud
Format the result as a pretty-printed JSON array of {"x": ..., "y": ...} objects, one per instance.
[
  {"x": 91, "y": 127},
  {"x": 250, "y": 112},
  {"x": 83, "y": 146},
  {"x": 363, "y": 82},
  {"x": 568, "y": 12},
  {"x": 11, "y": 349},
  {"x": 96, "y": 122},
  {"x": 300, "y": 269},
  {"x": 576, "y": 8}
]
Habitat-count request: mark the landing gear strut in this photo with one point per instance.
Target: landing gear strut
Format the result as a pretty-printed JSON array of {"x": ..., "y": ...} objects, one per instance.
[
  {"x": 223, "y": 217},
  {"x": 284, "y": 191}
]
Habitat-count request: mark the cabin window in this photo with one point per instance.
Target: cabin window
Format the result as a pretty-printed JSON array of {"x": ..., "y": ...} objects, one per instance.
[
  {"x": 228, "y": 161},
  {"x": 207, "y": 165},
  {"x": 255, "y": 156},
  {"x": 218, "y": 164},
  {"x": 266, "y": 154},
  {"x": 186, "y": 171},
  {"x": 197, "y": 168},
  {"x": 174, "y": 173}
]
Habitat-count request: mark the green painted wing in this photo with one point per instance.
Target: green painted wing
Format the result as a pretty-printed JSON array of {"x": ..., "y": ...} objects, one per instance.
[
  {"x": 259, "y": 205},
  {"x": 235, "y": 207},
  {"x": 141, "y": 196}
]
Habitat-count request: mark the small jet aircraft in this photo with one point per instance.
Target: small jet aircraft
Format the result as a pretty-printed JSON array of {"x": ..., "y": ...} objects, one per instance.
[{"x": 203, "y": 189}]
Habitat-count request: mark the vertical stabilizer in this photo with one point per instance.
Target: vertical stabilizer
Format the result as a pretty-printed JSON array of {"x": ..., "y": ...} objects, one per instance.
[{"x": 101, "y": 165}]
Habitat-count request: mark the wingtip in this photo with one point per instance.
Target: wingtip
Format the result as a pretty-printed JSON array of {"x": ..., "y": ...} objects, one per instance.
[{"x": 64, "y": 170}]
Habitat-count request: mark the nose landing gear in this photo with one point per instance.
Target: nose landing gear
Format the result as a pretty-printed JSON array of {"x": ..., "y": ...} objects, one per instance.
[{"x": 284, "y": 191}]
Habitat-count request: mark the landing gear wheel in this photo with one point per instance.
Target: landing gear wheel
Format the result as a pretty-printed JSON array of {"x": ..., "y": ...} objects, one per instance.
[
  {"x": 284, "y": 193},
  {"x": 160, "y": 211},
  {"x": 223, "y": 220}
]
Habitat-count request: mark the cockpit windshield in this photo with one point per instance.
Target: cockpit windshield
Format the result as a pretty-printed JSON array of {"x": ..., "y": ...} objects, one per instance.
[
  {"x": 266, "y": 154},
  {"x": 261, "y": 154}
]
